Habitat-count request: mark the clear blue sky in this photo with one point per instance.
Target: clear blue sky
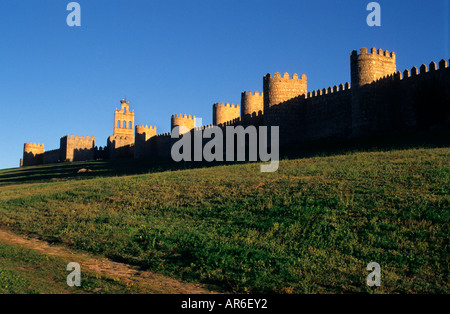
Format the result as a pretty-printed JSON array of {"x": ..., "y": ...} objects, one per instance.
[{"x": 182, "y": 56}]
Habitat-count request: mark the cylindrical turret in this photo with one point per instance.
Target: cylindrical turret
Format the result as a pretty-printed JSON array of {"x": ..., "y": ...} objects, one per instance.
[
  {"x": 252, "y": 103},
  {"x": 33, "y": 154},
  {"x": 225, "y": 112},
  {"x": 369, "y": 67},
  {"x": 183, "y": 120},
  {"x": 279, "y": 89}
]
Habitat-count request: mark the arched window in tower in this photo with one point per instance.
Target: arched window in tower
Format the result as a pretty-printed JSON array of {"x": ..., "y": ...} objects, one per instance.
[
  {"x": 118, "y": 124},
  {"x": 125, "y": 110},
  {"x": 124, "y": 124},
  {"x": 129, "y": 125}
]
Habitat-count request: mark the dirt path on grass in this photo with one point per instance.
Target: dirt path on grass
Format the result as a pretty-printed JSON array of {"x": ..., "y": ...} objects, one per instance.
[{"x": 148, "y": 281}]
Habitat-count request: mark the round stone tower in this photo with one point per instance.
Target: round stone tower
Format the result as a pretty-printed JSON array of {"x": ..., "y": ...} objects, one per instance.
[
  {"x": 369, "y": 67},
  {"x": 183, "y": 121},
  {"x": 225, "y": 112},
  {"x": 252, "y": 103},
  {"x": 33, "y": 154},
  {"x": 279, "y": 89},
  {"x": 366, "y": 69}
]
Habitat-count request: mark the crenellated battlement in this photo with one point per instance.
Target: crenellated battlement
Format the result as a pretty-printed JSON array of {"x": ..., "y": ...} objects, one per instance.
[
  {"x": 373, "y": 51},
  {"x": 203, "y": 127},
  {"x": 423, "y": 69},
  {"x": 167, "y": 134},
  {"x": 33, "y": 146},
  {"x": 228, "y": 105},
  {"x": 81, "y": 138},
  {"x": 286, "y": 76},
  {"x": 329, "y": 90},
  {"x": 232, "y": 122},
  {"x": 182, "y": 116},
  {"x": 416, "y": 71},
  {"x": 250, "y": 93},
  {"x": 143, "y": 127}
]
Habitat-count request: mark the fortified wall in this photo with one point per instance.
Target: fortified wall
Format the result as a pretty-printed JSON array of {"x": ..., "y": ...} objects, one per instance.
[
  {"x": 400, "y": 101},
  {"x": 379, "y": 100},
  {"x": 72, "y": 148}
]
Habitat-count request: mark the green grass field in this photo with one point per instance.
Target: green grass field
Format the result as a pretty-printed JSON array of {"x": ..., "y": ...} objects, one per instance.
[{"x": 311, "y": 227}]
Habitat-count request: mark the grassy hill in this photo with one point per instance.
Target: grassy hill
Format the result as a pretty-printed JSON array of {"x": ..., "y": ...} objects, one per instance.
[{"x": 311, "y": 227}]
